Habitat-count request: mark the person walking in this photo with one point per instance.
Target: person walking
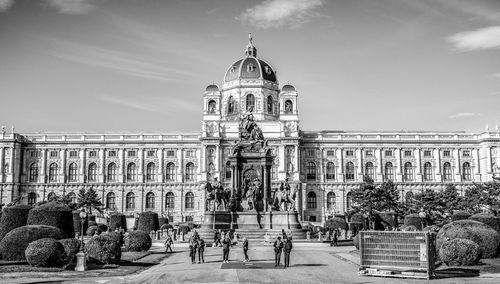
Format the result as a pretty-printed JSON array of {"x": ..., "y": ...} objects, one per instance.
[
  {"x": 278, "y": 248},
  {"x": 217, "y": 239},
  {"x": 335, "y": 238},
  {"x": 201, "y": 250},
  {"x": 168, "y": 243},
  {"x": 245, "y": 249},
  {"x": 193, "y": 245},
  {"x": 226, "y": 243},
  {"x": 287, "y": 249}
]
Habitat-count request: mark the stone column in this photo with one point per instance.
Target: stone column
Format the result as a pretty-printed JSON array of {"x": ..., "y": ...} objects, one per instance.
[
  {"x": 380, "y": 168},
  {"x": 266, "y": 185},
  {"x": 418, "y": 176},
  {"x": 341, "y": 165},
  {"x": 399, "y": 170},
  {"x": 458, "y": 169},
  {"x": 438, "y": 164},
  {"x": 477, "y": 165}
]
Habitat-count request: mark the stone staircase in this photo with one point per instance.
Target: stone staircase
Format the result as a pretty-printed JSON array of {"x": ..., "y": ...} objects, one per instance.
[{"x": 254, "y": 234}]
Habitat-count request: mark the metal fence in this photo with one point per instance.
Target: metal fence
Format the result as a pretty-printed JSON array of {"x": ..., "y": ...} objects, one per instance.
[{"x": 397, "y": 254}]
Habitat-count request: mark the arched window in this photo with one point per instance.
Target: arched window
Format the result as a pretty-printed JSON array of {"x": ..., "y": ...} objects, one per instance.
[
  {"x": 311, "y": 200},
  {"x": 230, "y": 105},
  {"x": 131, "y": 172},
  {"x": 270, "y": 103},
  {"x": 447, "y": 173},
  {"x": 130, "y": 201},
  {"x": 72, "y": 172},
  {"x": 288, "y": 106},
  {"x": 330, "y": 201},
  {"x": 348, "y": 200},
  {"x": 388, "y": 171},
  {"x": 31, "y": 198},
  {"x": 33, "y": 174},
  {"x": 408, "y": 171},
  {"x": 427, "y": 171},
  {"x": 228, "y": 170},
  {"x": 150, "y": 200},
  {"x": 311, "y": 171},
  {"x": 190, "y": 171},
  {"x": 51, "y": 196},
  {"x": 112, "y": 172},
  {"x": 92, "y": 174},
  {"x": 250, "y": 100},
  {"x": 170, "y": 200},
  {"x": 466, "y": 171},
  {"x": 369, "y": 171},
  {"x": 211, "y": 106},
  {"x": 189, "y": 200},
  {"x": 349, "y": 171},
  {"x": 53, "y": 171},
  {"x": 170, "y": 173},
  {"x": 330, "y": 171},
  {"x": 72, "y": 197},
  {"x": 110, "y": 201},
  {"x": 150, "y": 172}
]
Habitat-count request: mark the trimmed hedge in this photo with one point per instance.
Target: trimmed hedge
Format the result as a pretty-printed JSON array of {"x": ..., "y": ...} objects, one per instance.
[
  {"x": 116, "y": 220},
  {"x": 488, "y": 219},
  {"x": 138, "y": 241},
  {"x": 103, "y": 227},
  {"x": 358, "y": 218},
  {"x": 92, "y": 230},
  {"x": 460, "y": 215},
  {"x": 409, "y": 228},
  {"x": 46, "y": 252},
  {"x": 14, "y": 244},
  {"x": 336, "y": 223},
  {"x": 53, "y": 214},
  {"x": 486, "y": 237},
  {"x": 71, "y": 248},
  {"x": 413, "y": 220},
  {"x": 460, "y": 252},
  {"x": 117, "y": 236},
  {"x": 148, "y": 221},
  {"x": 162, "y": 221},
  {"x": 103, "y": 249},
  {"x": 13, "y": 217}
]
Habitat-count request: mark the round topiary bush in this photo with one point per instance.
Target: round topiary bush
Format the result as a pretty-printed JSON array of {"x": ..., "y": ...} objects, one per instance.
[
  {"x": 336, "y": 223},
  {"x": 117, "y": 221},
  {"x": 162, "y": 221},
  {"x": 387, "y": 220},
  {"x": 460, "y": 252},
  {"x": 460, "y": 215},
  {"x": 53, "y": 214},
  {"x": 358, "y": 218},
  {"x": 46, "y": 252},
  {"x": 92, "y": 230},
  {"x": 488, "y": 219},
  {"x": 148, "y": 221},
  {"x": 138, "y": 241},
  {"x": 13, "y": 217},
  {"x": 355, "y": 241},
  {"x": 486, "y": 237},
  {"x": 14, "y": 244},
  {"x": 413, "y": 220},
  {"x": 103, "y": 250},
  {"x": 71, "y": 248},
  {"x": 117, "y": 236}
]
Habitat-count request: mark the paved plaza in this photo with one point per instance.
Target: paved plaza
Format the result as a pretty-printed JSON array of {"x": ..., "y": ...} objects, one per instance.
[{"x": 310, "y": 263}]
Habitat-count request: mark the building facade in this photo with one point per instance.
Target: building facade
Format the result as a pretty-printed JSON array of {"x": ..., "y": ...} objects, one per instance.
[{"x": 164, "y": 171}]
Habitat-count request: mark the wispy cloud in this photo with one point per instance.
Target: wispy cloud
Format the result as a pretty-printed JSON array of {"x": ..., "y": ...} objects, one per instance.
[
  {"x": 151, "y": 103},
  {"x": 485, "y": 38},
  {"x": 72, "y": 7},
  {"x": 464, "y": 114},
  {"x": 117, "y": 61},
  {"x": 5, "y": 5},
  {"x": 281, "y": 13}
]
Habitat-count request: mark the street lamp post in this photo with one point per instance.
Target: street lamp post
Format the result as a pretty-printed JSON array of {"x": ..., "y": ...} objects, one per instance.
[{"x": 81, "y": 262}]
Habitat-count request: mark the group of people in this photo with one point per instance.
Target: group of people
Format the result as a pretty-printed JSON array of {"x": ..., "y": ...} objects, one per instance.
[
  {"x": 196, "y": 245},
  {"x": 282, "y": 246}
]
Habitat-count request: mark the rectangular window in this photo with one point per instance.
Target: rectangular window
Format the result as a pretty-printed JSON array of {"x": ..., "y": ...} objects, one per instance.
[
  {"x": 131, "y": 153},
  {"x": 388, "y": 153},
  {"x": 466, "y": 153},
  {"x": 189, "y": 218},
  {"x": 34, "y": 154},
  {"x": 330, "y": 153},
  {"x": 53, "y": 154},
  {"x": 446, "y": 153},
  {"x": 369, "y": 153},
  {"x": 349, "y": 153},
  {"x": 310, "y": 152},
  {"x": 112, "y": 153},
  {"x": 151, "y": 153},
  {"x": 427, "y": 153},
  {"x": 73, "y": 154},
  {"x": 407, "y": 153},
  {"x": 190, "y": 153},
  {"x": 93, "y": 154},
  {"x": 170, "y": 153}
]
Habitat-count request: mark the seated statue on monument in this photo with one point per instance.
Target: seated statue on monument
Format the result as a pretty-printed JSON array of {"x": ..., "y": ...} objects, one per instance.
[
  {"x": 284, "y": 198},
  {"x": 252, "y": 131},
  {"x": 252, "y": 192}
]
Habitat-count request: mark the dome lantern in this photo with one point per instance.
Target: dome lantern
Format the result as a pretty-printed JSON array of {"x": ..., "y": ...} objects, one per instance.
[{"x": 250, "y": 50}]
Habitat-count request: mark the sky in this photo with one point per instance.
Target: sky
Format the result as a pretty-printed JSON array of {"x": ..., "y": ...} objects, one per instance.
[{"x": 142, "y": 66}]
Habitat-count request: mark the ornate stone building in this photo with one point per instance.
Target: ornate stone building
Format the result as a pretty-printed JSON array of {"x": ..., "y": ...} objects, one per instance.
[{"x": 163, "y": 171}]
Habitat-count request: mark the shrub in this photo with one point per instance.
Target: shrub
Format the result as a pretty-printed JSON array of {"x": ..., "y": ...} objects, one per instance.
[
  {"x": 433, "y": 229},
  {"x": 14, "y": 244},
  {"x": 355, "y": 227},
  {"x": 460, "y": 252},
  {"x": 185, "y": 229},
  {"x": 488, "y": 219},
  {"x": 166, "y": 227},
  {"x": 162, "y": 221},
  {"x": 148, "y": 221},
  {"x": 355, "y": 241},
  {"x": 117, "y": 236},
  {"x": 71, "y": 248},
  {"x": 387, "y": 220},
  {"x": 13, "y": 217},
  {"x": 138, "y": 241},
  {"x": 358, "y": 218},
  {"x": 103, "y": 227},
  {"x": 46, "y": 252},
  {"x": 91, "y": 231},
  {"x": 117, "y": 220},
  {"x": 336, "y": 223},
  {"x": 92, "y": 223},
  {"x": 409, "y": 228},
  {"x": 103, "y": 250},
  {"x": 486, "y": 237},
  {"x": 460, "y": 215},
  {"x": 53, "y": 214},
  {"x": 413, "y": 220}
]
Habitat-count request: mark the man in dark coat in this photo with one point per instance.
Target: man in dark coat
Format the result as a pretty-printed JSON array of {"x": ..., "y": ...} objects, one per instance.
[
  {"x": 201, "y": 250},
  {"x": 193, "y": 246},
  {"x": 217, "y": 238},
  {"x": 287, "y": 249},
  {"x": 245, "y": 249},
  {"x": 226, "y": 243},
  {"x": 278, "y": 248}
]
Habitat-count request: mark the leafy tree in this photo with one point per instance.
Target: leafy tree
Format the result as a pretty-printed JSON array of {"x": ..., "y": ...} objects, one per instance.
[
  {"x": 482, "y": 197},
  {"x": 369, "y": 197},
  {"x": 435, "y": 203},
  {"x": 89, "y": 200},
  {"x": 64, "y": 199}
]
